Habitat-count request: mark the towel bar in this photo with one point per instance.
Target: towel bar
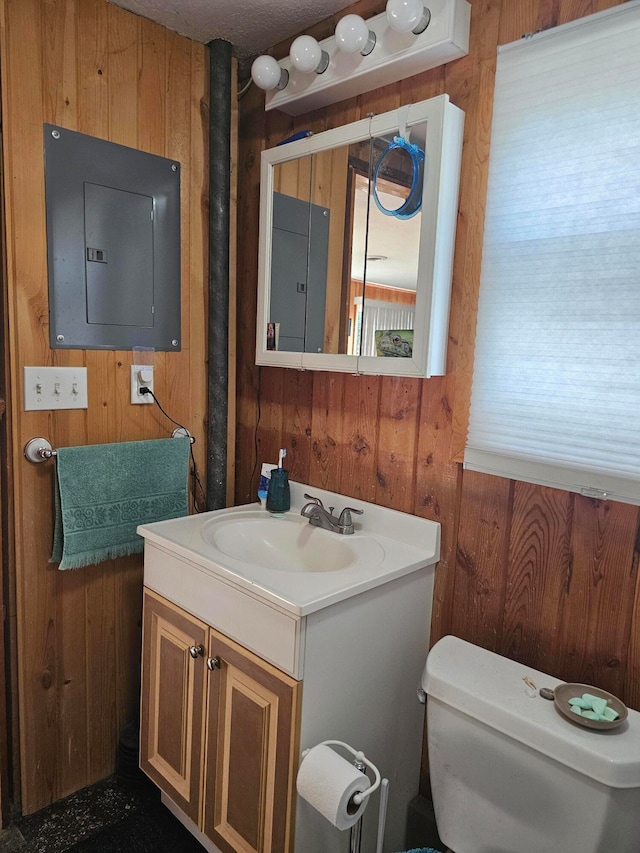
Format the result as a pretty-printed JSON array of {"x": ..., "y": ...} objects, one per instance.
[{"x": 40, "y": 450}]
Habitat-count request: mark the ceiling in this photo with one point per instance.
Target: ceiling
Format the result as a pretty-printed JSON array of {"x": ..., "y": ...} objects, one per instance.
[{"x": 251, "y": 26}]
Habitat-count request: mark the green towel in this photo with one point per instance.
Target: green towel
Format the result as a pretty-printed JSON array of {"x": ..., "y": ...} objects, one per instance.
[{"x": 104, "y": 491}]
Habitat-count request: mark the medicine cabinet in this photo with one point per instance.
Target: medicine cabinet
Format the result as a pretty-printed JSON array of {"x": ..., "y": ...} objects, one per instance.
[{"x": 357, "y": 232}]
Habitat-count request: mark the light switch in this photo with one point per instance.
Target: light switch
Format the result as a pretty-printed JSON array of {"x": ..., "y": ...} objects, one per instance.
[{"x": 50, "y": 388}]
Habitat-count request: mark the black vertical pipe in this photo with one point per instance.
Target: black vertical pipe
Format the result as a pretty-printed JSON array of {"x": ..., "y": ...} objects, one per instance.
[{"x": 219, "y": 197}]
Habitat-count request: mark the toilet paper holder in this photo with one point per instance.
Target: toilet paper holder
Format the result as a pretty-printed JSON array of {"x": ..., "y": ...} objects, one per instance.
[
  {"x": 360, "y": 758},
  {"x": 361, "y": 761}
]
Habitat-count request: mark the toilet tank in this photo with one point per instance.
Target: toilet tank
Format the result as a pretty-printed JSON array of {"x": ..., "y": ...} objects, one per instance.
[{"x": 509, "y": 774}]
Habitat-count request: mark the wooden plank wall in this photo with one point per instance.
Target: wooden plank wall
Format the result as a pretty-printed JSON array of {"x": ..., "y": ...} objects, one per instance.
[
  {"x": 4, "y": 752},
  {"x": 543, "y": 576},
  {"x": 89, "y": 66}
]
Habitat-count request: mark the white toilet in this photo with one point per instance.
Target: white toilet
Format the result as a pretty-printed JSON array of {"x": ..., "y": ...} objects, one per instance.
[{"x": 509, "y": 774}]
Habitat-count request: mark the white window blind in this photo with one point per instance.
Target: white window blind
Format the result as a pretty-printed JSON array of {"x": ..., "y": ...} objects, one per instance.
[{"x": 556, "y": 384}]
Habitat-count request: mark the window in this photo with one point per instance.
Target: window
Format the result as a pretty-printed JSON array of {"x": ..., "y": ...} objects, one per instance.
[{"x": 556, "y": 386}]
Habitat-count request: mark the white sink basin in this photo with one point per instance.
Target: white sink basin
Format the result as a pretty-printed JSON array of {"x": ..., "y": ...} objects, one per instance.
[
  {"x": 293, "y": 565},
  {"x": 288, "y": 544}
]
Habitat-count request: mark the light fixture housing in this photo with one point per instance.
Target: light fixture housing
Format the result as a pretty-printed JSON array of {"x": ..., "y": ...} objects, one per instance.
[
  {"x": 307, "y": 56},
  {"x": 408, "y": 16},
  {"x": 394, "y": 58},
  {"x": 354, "y": 36},
  {"x": 267, "y": 74}
]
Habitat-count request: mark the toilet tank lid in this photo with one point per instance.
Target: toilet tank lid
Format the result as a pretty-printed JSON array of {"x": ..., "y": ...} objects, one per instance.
[{"x": 490, "y": 688}]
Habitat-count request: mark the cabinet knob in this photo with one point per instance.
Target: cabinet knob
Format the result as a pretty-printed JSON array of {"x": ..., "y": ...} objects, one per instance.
[
  {"x": 196, "y": 651},
  {"x": 213, "y": 663}
]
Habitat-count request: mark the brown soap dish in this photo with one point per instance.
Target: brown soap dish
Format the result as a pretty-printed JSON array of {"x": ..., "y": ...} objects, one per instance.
[{"x": 564, "y": 692}]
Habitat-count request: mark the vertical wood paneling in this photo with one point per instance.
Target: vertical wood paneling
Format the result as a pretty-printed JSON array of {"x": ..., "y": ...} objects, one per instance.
[
  {"x": 99, "y": 612},
  {"x": 88, "y": 66},
  {"x": 25, "y": 204},
  {"x": 601, "y": 594},
  {"x": 438, "y": 484},
  {"x": 632, "y": 672},
  {"x": 483, "y": 541},
  {"x": 358, "y": 471},
  {"x": 468, "y": 254},
  {"x": 5, "y": 608},
  {"x": 152, "y": 78},
  {"x": 128, "y": 608},
  {"x": 537, "y": 575},
  {"x": 271, "y": 415},
  {"x": 327, "y": 428},
  {"x": 296, "y": 428},
  {"x": 572, "y": 9},
  {"x": 58, "y": 62},
  {"x": 516, "y": 18},
  {"x": 123, "y": 76},
  {"x": 397, "y": 435},
  {"x": 60, "y": 105}
]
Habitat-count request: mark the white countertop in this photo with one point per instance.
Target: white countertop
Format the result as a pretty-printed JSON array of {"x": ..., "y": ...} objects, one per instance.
[{"x": 392, "y": 544}]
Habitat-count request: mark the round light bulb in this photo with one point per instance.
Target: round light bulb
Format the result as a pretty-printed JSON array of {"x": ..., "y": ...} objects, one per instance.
[
  {"x": 267, "y": 74},
  {"x": 408, "y": 16},
  {"x": 354, "y": 36},
  {"x": 306, "y": 55}
]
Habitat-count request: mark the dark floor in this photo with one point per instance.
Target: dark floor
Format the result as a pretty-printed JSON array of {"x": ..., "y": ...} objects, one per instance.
[{"x": 117, "y": 815}]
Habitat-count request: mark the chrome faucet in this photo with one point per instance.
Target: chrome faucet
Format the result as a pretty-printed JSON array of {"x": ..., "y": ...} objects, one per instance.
[{"x": 320, "y": 517}]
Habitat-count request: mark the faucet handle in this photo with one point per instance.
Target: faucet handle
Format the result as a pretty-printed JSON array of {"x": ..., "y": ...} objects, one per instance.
[
  {"x": 345, "y": 515},
  {"x": 314, "y": 499}
]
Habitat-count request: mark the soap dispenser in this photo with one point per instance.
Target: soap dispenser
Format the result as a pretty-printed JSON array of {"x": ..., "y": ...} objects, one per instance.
[{"x": 278, "y": 494}]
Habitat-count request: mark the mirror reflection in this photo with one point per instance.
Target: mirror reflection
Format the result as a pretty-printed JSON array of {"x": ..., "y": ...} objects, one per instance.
[
  {"x": 384, "y": 316},
  {"x": 345, "y": 247}
]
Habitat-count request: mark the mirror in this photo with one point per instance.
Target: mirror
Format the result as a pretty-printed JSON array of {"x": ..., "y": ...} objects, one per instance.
[{"x": 357, "y": 228}]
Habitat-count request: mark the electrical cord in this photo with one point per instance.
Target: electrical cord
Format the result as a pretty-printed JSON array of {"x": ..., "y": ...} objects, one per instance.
[
  {"x": 243, "y": 91},
  {"x": 196, "y": 483},
  {"x": 255, "y": 433}
]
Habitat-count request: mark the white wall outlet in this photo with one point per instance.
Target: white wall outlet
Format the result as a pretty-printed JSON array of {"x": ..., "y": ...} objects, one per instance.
[
  {"x": 50, "y": 388},
  {"x": 141, "y": 377}
]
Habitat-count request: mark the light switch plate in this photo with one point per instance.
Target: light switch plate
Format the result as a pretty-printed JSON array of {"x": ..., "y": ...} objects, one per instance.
[{"x": 50, "y": 388}]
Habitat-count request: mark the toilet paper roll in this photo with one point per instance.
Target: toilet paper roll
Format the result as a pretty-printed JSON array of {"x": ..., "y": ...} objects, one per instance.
[{"x": 328, "y": 782}]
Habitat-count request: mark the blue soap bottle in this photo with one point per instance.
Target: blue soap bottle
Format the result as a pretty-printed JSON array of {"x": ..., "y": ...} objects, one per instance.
[{"x": 278, "y": 493}]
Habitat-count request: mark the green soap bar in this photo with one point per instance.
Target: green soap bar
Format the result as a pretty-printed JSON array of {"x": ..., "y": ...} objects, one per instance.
[
  {"x": 576, "y": 710},
  {"x": 599, "y": 704},
  {"x": 591, "y": 715},
  {"x": 589, "y": 698},
  {"x": 610, "y": 714},
  {"x": 577, "y": 702}
]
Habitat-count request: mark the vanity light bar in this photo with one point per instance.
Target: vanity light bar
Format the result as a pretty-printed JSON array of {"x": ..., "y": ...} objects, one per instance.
[{"x": 394, "y": 57}]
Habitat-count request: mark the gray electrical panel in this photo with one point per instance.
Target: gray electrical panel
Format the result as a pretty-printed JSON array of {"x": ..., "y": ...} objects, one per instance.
[
  {"x": 113, "y": 244},
  {"x": 299, "y": 260}
]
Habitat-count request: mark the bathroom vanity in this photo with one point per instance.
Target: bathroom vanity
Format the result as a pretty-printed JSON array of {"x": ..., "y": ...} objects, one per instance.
[{"x": 265, "y": 636}]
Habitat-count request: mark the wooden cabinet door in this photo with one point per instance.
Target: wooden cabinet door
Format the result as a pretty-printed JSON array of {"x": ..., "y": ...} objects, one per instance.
[
  {"x": 252, "y": 751},
  {"x": 173, "y": 702}
]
